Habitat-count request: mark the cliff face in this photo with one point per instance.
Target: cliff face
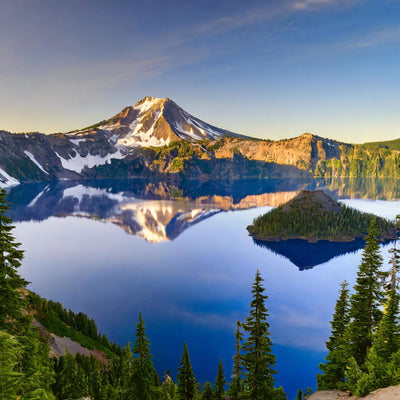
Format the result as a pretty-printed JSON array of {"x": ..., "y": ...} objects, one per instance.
[{"x": 303, "y": 152}]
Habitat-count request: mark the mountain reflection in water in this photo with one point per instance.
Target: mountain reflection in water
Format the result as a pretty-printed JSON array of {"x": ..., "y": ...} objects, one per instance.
[{"x": 160, "y": 211}]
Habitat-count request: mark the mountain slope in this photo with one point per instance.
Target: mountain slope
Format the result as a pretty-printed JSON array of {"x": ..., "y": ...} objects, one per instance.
[{"x": 154, "y": 122}]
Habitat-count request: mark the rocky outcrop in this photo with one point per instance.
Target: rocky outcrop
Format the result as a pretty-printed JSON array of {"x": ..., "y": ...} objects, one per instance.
[
  {"x": 389, "y": 393},
  {"x": 60, "y": 346}
]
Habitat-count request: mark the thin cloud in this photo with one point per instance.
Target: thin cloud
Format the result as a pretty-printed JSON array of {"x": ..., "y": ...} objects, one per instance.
[
  {"x": 257, "y": 16},
  {"x": 375, "y": 38}
]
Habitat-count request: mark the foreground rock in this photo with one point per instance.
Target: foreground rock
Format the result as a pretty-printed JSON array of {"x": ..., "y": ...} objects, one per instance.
[{"x": 389, "y": 393}]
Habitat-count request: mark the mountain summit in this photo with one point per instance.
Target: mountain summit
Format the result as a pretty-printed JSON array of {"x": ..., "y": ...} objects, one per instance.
[{"x": 155, "y": 122}]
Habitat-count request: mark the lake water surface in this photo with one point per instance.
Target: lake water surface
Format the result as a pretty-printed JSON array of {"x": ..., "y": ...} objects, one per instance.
[{"x": 181, "y": 255}]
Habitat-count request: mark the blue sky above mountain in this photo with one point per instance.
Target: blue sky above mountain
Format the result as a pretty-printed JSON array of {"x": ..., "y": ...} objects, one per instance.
[{"x": 270, "y": 69}]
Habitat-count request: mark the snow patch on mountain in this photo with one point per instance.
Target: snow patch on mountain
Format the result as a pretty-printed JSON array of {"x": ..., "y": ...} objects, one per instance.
[
  {"x": 190, "y": 133},
  {"x": 148, "y": 103},
  {"x": 33, "y": 159},
  {"x": 140, "y": 137},
  {"x": 77, "y": 141},
  {"x": 7, "y": 180},
  {"x": 78, "y": 162}
]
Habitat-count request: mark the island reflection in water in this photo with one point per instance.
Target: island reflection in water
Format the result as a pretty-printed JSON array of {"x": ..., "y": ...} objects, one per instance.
[{"x": 306, "y": 255}]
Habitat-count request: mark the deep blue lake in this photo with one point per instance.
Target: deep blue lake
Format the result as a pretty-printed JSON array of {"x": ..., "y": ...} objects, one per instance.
[{"x": 181, "y": 255}]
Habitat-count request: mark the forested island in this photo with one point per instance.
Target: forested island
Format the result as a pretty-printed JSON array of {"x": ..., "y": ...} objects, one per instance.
[{"x": 314, "y": 216}]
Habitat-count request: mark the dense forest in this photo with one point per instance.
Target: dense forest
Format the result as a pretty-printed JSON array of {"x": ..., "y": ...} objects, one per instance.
[
  {"x": 316, "y": 216},
  {"x": 364, "y": 346},
  {"x": 27, "y": 372}
]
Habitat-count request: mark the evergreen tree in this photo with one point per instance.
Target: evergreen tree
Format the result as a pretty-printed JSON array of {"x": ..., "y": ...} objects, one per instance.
[
  {"x": 219, "y": 384},
  {"x": 70, "y": 379},
  {"x": 142, "y": 366},
  {"x": 11, "y": 283},
  {"x": 364, "y": 303},
  {"x": 126, "y": 373},
  {"x": 237, "y": 385},
  {"x": 299, "y": 395},
  {"x": 207, "y": 392},
  {"x": 185, "y": 377},
  {"x": 168, "y": 387},
  {"x": 387, "y": 337},
  {"x": 258, "y": 358},
  {"x": 335, "y": 367},
  {"x": 303, "y": 396},
  {"x": 10, "y": 351}
]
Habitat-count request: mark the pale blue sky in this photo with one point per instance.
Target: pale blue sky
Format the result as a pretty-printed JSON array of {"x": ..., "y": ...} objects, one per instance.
[{"x": 270, "y": 69}]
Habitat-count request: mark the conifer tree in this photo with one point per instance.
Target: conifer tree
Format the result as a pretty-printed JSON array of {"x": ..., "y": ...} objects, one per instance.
[
  {"x": 387, "y": 337},
  {"x": 10, "y": 260},
  {"x": 168, "y": 387},
  {"x": 258, "y": 358},
  {"x": 185, "y": 377},
  {"x": 207, "y": 393},
  {"x": 237, "y": 384},
  {"x": 142, "y": 366},
  {"x": 364, "y": 303},
  {"x": 126, "y": 373},
  {"x": 219, "y": 384},
  {"x": 10, "y": 351},
  {"x": 335, "y": 367}
]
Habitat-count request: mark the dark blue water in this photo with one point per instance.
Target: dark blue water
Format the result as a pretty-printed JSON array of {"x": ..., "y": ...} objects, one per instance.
[{"x": 107, "y": 251}]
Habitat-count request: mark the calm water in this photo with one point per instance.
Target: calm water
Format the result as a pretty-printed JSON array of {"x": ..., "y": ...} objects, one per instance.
[{"x": 181, "y": 255}]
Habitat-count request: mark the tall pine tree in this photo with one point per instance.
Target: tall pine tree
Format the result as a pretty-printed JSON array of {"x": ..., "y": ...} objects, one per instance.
[
  {"x": 142, "y": 366},
  {"x": 219, "y": 384},
  {"x": 185, "y": 377},
  {"x": 11, "y": 283},
  {"x": 335, "y": 367},
  {"x": 236, "y": 385},
  {"x": 258, "y": 358},
  {"x": 364, "y": 303},
  {"x": 207, "y": 393}
]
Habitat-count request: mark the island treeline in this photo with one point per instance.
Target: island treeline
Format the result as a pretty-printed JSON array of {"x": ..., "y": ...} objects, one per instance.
[
  {"x": 27, "y": 372},
  {"x": 307, "y": 217},
  {"x": 364, "y": 346}
]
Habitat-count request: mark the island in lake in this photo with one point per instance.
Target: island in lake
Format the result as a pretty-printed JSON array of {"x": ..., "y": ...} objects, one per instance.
[{"x": 314, "y": 216}]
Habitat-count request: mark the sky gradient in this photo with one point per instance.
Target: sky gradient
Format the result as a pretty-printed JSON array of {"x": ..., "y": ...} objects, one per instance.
[{"x": 269, "y": 69}]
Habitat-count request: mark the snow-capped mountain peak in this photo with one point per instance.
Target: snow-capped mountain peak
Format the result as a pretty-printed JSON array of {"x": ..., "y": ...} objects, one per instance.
[{"x": 155, "y": 122}]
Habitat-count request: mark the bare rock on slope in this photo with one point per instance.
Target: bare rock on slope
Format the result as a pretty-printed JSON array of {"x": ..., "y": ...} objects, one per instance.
[{"x": 389, "y": 393}]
